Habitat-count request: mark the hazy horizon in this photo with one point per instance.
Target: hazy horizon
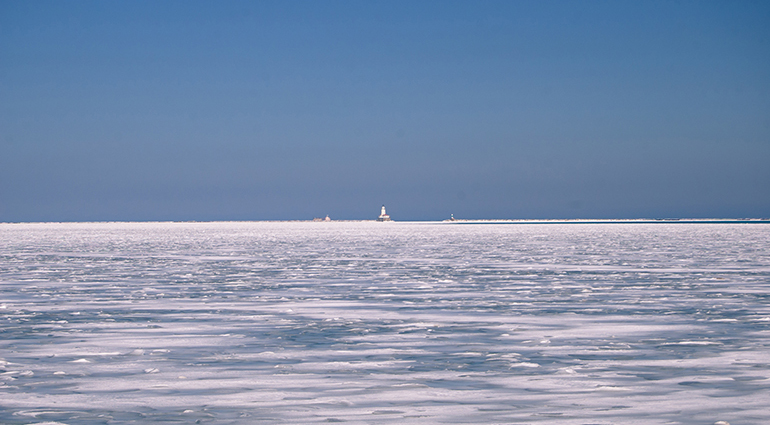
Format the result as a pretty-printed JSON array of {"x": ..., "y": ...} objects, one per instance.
[{"x": 457, "y": 220}]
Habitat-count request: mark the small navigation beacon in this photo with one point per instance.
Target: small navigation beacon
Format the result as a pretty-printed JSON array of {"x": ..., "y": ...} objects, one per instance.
[{"x": 383, "y": 215}]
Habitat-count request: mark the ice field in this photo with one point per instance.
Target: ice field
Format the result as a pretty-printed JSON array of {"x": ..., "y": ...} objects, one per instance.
[{"x": 364, "y": 322}]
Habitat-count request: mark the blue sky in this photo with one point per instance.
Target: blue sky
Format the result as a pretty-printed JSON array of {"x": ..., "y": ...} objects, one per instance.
[{"x": 185, "y": 110}]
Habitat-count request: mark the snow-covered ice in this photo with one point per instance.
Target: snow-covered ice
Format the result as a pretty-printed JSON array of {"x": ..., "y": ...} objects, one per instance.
[{"x": 365, "y": 322}]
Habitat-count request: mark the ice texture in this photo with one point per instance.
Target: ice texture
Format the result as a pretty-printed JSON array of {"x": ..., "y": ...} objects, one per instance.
[{"x": 363, "y": 322}]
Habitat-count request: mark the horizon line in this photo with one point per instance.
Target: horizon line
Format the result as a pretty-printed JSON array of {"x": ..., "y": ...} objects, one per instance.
[{"x": 445, "y": 221}]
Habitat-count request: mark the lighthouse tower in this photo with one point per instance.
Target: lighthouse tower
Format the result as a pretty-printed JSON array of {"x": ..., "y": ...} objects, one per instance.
[{"x": 383, "y": 215}]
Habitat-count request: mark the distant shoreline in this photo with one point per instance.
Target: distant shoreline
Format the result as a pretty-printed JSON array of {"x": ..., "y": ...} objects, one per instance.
[
  {"x": 615, "y": 221},
  {"x": 448, "y": 221}
]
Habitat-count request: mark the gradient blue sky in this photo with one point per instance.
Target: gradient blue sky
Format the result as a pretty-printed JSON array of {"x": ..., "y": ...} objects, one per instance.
[{"x": 185, "y": 110}]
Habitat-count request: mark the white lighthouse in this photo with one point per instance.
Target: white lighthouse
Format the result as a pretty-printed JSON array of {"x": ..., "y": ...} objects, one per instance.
[{"x": 383, "y": 215}]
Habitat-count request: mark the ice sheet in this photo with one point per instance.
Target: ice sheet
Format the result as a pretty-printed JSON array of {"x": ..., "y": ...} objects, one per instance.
[{"x": 384, "y": 323}]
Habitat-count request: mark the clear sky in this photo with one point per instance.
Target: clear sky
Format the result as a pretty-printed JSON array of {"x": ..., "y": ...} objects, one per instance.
[{"x": 186, "y": 110}]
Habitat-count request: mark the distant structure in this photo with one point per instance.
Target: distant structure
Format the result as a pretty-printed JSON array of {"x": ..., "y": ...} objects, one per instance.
[
  {"x": 383, "y": 215},
  {"x": 327, "y": 218},
  {"x": 322, "y": 219}
]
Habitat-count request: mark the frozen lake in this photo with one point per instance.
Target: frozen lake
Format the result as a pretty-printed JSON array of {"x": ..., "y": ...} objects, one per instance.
[{"x": 242, "y": 323}]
